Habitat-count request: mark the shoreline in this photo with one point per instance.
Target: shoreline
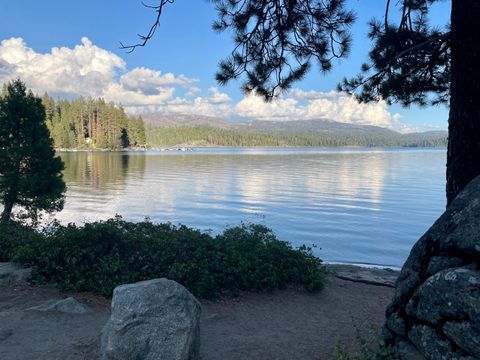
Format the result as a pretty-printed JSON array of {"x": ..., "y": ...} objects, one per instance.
[
  {"x": 188, "y": 148},
  {"x": 366, "y": 265}
]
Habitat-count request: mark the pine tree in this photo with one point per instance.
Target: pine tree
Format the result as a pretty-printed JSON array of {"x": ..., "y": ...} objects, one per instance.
[
  {"x": 30, "y": 173},
  {"x": 91, "y": 123}
]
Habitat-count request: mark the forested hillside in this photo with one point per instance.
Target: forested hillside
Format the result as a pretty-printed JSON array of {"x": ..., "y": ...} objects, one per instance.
[
  {"x": 91, "y": 123},
  {"x": 94, "y": 124},
  {"x": 208, "y": 136}
]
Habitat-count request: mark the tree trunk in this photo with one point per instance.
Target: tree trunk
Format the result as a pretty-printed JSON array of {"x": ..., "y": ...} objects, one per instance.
[
  {"x": 463, "y": 158},
  {"x": 7, "y": 211}
]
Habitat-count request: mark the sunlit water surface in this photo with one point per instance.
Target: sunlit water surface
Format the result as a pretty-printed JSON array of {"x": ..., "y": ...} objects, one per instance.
[{"x": 355, "y": 205}]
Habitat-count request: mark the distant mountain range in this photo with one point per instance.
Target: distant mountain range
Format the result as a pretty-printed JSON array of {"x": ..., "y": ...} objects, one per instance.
[
  {"x": 190, "y": 130},
  {"x": 161, "y": 121}
]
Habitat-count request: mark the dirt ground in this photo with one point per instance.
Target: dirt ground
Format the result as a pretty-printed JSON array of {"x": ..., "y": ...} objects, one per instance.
[{"x": 288, "y": 324}]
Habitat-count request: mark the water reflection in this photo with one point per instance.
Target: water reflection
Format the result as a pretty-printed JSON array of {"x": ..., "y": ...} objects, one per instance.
[
  {"x": 96, "y": 183},
  {"x": 100, "y": 170},
  {"x": 356, "y": 206}
]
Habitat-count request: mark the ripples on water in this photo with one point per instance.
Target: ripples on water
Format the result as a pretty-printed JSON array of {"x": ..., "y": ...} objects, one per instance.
[{"x": 356, "y": 205}]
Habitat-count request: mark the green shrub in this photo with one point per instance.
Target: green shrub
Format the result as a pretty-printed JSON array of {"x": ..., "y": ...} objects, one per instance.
[
  {"x": 12, "y": 236},
  {"x": 101, "y": 255}
]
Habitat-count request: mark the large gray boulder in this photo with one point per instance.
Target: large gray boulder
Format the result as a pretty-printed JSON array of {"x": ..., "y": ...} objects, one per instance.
[
  {"x": 436, "y": 307},
  {"x": 152, "y": 320}
]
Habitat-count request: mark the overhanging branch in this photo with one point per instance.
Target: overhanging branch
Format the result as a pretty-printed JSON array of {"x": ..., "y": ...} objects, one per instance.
[{"x": 145, "y": 38}]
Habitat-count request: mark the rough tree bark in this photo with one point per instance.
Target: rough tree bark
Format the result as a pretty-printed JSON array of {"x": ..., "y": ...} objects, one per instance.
[
  {"x": 9, "y": 200},
  {"x": 463, "y": 158},
  {"x": 7, "y": 212}
]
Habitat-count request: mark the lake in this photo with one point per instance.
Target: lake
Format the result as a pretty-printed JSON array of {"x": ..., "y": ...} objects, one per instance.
[{"x": 365, "y": 206}]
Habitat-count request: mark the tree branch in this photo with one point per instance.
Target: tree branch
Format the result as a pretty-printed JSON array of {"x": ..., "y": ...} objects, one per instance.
[{"x": 145, "y": 38}]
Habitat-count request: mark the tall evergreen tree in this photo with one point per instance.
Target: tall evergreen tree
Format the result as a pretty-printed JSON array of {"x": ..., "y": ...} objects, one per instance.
[
  {"x": 91, "y": 123},
  {"x": 411, "y": 61},
  {"x": 30, "y": 173}
]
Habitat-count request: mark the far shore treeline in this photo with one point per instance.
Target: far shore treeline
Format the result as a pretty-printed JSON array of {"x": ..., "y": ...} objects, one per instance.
[
  {"x": 202, "y": 135},
  {"x": 88, "y": 123},
  {"x": 92, "y": 123}
]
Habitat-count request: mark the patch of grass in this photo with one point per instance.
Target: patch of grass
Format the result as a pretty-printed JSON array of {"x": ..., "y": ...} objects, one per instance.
[
  {"x": 366, "y": 352},
  {"x": 99, "y": 256}
]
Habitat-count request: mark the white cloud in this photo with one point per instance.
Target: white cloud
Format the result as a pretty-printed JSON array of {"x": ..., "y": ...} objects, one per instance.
[
  {"x": 119, "y": 94},
  {"x": 254, "y": 107},
  {"x": 89, "y": 70},
  {"x": 86, "y": 70},
  {"x": 146, "y": 80},
  {"x": 300, "y": 94},
  {"x": 83, "y": 70},
  {"x": 308, "y": 105},
  {"x": 215, "y": 104},
  {"x": 193, "y": 91},
  {"x": 217, "y": 97}
]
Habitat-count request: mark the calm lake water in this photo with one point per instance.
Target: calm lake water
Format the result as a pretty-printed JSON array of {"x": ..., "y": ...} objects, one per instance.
[{"x": 355, "y": 205}]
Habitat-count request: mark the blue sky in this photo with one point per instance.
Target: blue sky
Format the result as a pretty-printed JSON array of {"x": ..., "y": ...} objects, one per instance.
[{"x": 184, "y": 45}]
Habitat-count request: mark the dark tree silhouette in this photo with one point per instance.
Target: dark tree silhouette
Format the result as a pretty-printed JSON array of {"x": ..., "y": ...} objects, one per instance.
[
  {"x": 30, "y": 174},
  {"x": 411, "y": 62}
]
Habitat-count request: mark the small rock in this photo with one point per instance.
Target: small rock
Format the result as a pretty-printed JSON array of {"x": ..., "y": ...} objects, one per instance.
[
  {"x": 150, "y": 320},
  {"x": 367, "y": 275},
  {"x": 14, "y": 274},
  {"x": 68, "y": 305}
]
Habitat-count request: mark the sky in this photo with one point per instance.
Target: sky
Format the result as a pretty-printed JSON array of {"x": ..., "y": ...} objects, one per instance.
[{"x": 71, "y": 48}]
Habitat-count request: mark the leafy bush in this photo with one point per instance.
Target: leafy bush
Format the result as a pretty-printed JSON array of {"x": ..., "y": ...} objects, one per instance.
[
  {"x": 13, "y": 235},
  {"x": 101, "y": 255}
]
